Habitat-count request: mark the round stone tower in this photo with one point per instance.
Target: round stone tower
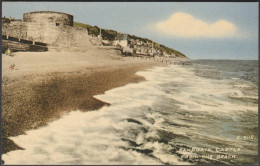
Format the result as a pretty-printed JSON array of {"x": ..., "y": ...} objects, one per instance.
[{"x": 49, "y": 17}]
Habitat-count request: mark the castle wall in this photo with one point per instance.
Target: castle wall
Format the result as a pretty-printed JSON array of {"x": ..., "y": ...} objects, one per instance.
[
  {"x": 54, "y": 18},
  {"x": 42, "y": 27},
  {"x": 66, "y": 36},
  {"x": 16, "y": 29},
  {"x": 41, "y": 32}
]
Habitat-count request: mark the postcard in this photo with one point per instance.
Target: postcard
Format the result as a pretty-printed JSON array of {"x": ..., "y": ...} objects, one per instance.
[{"x": 135, "y": 83}]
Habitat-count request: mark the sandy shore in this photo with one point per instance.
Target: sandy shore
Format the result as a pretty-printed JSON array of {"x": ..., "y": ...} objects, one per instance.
[{"x": 44, "y": 86}]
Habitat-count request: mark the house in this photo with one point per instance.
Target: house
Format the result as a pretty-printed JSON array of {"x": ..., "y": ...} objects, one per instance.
[
  {"x": 160, "y": 52},
  {"x": 172, "y": 55},
  {"x": 121, "y": 40},
  {"x": 106, "y": 43},
  {"x": 138, "y": 42},
  {"x": 165, "y": 54}
]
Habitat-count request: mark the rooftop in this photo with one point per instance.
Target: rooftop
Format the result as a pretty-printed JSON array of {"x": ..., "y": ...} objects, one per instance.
[{"x": 122, "y": 37}]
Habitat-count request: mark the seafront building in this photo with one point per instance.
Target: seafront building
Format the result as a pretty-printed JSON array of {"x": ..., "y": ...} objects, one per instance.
[{"x": 135, "y": 46}]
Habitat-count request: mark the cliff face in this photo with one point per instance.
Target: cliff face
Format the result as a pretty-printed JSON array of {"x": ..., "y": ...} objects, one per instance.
[{"x": 111, "y": 35}]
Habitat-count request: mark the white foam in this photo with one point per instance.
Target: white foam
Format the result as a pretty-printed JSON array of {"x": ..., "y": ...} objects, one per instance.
[
  {"x": 77, "y": 138},
  {"x": 200, "y": 94},
  {"x": 96, "y": 137},
  {"x": 90, "y": 137}
]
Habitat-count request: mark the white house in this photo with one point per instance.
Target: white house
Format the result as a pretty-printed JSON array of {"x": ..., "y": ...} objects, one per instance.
[{"x": 121, "y": 40}]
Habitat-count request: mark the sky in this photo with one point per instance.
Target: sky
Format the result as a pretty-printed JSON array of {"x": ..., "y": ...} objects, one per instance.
[{"x": 200, "y": 30}]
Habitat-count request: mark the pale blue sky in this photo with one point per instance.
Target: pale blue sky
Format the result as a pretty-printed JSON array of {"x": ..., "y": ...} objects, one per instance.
[{"x": 140, "y": 18}]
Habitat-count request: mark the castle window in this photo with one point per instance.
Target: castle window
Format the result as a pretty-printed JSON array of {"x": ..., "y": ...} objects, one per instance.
[{"x": 57, "y": 24}]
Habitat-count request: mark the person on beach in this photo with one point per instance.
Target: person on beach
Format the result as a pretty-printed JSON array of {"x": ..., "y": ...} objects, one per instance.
[{"x": 12, "y": 67}]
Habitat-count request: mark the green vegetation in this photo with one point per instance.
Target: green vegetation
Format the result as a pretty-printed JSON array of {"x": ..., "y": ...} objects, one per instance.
[
  {"x": 170, "y": 51},
  {"x": 95, "y": 30},
  {"x": 111, "y": 35},
  {"x": 139, "y": 38},
  {"x": 6, "y": 20},
  {"x": 158, "y": 46},
  {"x": 108, "y": 34}
]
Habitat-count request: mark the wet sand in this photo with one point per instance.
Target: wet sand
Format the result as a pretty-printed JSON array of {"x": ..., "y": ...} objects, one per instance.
[{"x": 44, "y": 86}]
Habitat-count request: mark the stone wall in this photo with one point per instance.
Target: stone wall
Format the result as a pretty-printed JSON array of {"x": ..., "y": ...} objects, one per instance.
[
  {"x": 41, "y": 32},
  {"x": 38, "y": 27},
  {"x": 80, "y": 37},
  {"x": 15, "y": 28},
  {"x": 70, "y": 36}
]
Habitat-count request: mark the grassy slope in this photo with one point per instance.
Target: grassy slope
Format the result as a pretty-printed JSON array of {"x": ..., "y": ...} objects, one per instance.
[{"x": 111, "y": 34}]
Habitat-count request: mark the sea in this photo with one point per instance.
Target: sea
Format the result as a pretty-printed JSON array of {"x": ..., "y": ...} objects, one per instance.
[{"x": 198, "y": 112}]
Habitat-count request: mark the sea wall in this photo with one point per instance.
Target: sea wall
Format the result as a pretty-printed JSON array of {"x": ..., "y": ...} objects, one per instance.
[{"x": 16, "y": 44}]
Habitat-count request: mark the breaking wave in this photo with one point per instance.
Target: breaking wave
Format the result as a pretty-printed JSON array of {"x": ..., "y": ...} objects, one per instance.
[{"x": 150, "y": 123}]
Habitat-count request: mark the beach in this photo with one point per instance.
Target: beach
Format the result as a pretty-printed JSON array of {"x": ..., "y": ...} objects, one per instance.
[
  {"x": 43, "y": 86},
  {"x": 204, "y": 112}
]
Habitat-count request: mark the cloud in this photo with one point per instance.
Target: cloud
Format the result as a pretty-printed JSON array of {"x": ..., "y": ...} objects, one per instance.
[{"x": 186, "y": 26}]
